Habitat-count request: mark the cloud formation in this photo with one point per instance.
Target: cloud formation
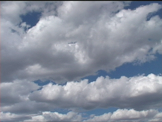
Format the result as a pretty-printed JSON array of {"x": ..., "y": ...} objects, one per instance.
[
  {"x": 120, "y": 115},
  {"x": 71, "y": 41},
  {"x": 139, "y": 92},
  {"x": 125, "y": 115}
]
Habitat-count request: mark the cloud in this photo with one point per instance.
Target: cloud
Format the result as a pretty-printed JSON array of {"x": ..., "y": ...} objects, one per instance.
[
  {"x": 10, "y": 117},
  {"x": 71, "y": 41},
  {"x": 16, "y": 91},
  {"x": 125, "y": 115},
  {"x": 55, "y": 117},
  {"x": 138, "y": 92},
  {"x": 120, "y": 115},
  {"x": 18, "y": 8}
]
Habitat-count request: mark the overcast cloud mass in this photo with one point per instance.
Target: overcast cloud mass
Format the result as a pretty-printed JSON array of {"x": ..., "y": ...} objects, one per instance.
[{"x": 70, "y": 41}]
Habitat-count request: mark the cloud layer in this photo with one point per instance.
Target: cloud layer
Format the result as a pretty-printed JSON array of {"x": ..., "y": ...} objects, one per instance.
[
  {"x": 71, "y": 41},
  {"x": 124, "y": 115},
  {"x": 120, "y": 115},
  {"x": 139, "y": 92}
]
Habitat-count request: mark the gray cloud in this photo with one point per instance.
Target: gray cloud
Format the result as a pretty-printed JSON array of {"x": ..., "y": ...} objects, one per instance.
[
  {"x": 125, "y": 115},
  {"x": 67, "y": 47},
  {"x": 72, "y": 40},
  {"x": 16, "y": 91},
  {"x": 139, "y": 92},
  {"x": 120, "y": 115},
  {"x": 10, "y": 117},
  {"x": 55, "y": 117}
]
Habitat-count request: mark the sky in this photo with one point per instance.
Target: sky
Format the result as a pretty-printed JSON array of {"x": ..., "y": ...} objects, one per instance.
[{"x": 81, "y": 61}]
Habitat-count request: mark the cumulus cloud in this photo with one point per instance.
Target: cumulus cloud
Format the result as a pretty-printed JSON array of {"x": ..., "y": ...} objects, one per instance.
[
  {"x": 120, "y": 115},
  {"x": 10, "y": 117},
  {"x": 19, "y": 8},
  {"x": 139, "y": 92},
  {"x": 125, "y": 115},
  {"x": 71, "y": 41},
  {"x": 55, "y": 117},
  {"x": 16, "y": 91}
]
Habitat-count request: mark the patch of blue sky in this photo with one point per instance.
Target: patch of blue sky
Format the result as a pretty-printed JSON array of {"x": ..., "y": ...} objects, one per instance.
[
  {"x": 42, "y": 83},
  {"x": 127, "y": 69},
  {"x": 131, "y": 69},
  {"x": 99, "y": 111},
  {"x": 135, "y": 4},
  {"x": 87, "y": 113},
  {"x": 61, "y": 110},
  {"x": 31, "y": 18}
]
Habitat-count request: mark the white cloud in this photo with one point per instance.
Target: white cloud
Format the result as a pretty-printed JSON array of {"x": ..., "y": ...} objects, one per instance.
[
  {"x": 55, "y": 117},
  {"x": 10, "y": 117},
  {"x": 72, "y": 40},
  {"x": 16, "y": 91},
  {"x": 120, "y": 115},
  {"x": 139, "y": 92},
  {"x": 94, "y": 30},
  {"x": 11, "y": 11},
  {"x": 125, "y": 115}
]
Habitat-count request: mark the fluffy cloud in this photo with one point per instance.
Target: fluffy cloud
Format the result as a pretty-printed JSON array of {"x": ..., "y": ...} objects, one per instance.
[
  {"x": 125, "y": 115},
  {"x": 120, "y": 115},
  {"x": 139, "y": 92},
  {"x": 55, "y": 117},
  {"x": 16, "y": 91},
  {"x": 10, "y": 117},
  {"x": 75, "y": 39},
  {"x": 72, "y": 40},
  {"x": 18, "y": 8}
]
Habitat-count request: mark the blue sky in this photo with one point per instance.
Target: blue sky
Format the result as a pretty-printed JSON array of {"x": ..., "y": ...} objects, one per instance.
[{"x": 111, "y": 73}]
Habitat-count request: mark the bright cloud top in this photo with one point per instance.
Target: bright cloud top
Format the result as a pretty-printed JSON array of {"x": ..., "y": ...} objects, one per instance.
[
  {"x": 137, "y": 92},
  {"x": 73, "y": 41},
  {"x": 140, "y": 92},
  {"x": 120, "y": 115}
]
